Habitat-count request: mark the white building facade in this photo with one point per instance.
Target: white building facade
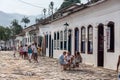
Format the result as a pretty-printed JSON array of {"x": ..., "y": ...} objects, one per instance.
[{"x": 94, "y": 31}]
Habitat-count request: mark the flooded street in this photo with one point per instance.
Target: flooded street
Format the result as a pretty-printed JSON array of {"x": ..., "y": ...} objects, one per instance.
[{"x": 48, "y": 69}]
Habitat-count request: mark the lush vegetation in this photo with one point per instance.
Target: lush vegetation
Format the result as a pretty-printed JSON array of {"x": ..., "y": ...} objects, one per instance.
[
  {"x": 15, "y": 27},
  {"x": 94, "y": 1},
  {"x": 67, "y": 3},
  {"x": 5, "y": 33},
  {"x": 25, "y": 20}
]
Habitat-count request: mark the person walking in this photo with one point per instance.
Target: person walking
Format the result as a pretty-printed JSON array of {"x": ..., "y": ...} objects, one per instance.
[
  {"x": 14, "y": 50},
  {"x": 39, "y": 50},
  {"x": 32, "y": 46},
  {"x": 35, "y": 52},
  {"x": 29, "y": 53},
  {"x": 25, "y": 51},
  {"x": 21, "y": 51}
]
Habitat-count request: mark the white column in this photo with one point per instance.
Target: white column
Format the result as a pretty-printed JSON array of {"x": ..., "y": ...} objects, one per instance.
[
  {"x": 67, "y": 40},
  {"x": 86, "y": 40},
  {"x": 63, "y": 39},
  {"x": 95, "y": 43},
  {"x": 73, "y": 41}
]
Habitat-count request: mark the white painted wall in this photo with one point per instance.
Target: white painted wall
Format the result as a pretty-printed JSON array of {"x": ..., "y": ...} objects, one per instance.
[{"x": 101, "y": 13}]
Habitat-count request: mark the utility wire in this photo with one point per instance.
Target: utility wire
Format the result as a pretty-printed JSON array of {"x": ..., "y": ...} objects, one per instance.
[{"x": 30, "y": 4}]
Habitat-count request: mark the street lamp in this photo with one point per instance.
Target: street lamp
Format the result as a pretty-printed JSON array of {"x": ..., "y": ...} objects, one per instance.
[
  {"x": 66, "y": 25},
  {"x": 65, "y": 36},
  {"x": 66, "y": 29}
]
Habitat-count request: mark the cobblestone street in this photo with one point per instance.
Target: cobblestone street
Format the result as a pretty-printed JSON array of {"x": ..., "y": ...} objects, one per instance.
[{"x": 48, "y": 69}]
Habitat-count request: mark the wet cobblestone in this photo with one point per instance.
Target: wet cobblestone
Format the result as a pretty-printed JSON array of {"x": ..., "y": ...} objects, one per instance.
[{"x": 48, "y": 69}]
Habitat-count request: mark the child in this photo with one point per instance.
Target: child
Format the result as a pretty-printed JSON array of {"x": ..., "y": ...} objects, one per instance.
[
  {"x": 35, "y": 52},
  {"x": 78, "y": 58},
  {"x": 39, "y": 50},
  {"x": 72, "y": 62},
  {"x": 21, "y": 51},
  {"x": 29, "y": 53},
  {"x": 68, "y": 60}
]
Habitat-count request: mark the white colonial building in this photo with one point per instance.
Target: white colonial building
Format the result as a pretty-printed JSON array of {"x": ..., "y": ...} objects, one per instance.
[{"x": 92, "y": 29}]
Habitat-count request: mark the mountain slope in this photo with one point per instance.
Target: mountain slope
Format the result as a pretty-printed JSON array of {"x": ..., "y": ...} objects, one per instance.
[{"x": 6, "y": 18}]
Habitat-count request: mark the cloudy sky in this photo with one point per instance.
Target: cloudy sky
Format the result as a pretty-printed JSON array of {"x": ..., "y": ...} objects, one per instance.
[{"x": 27, "y": 7}]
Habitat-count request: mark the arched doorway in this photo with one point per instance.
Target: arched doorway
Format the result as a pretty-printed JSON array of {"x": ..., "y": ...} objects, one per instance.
[
  {"x": 76, "y": 40},
  {"x": 69, "y": 40},
  {"x": 83, "y": 37},
  {"x": 50, "y": 45},
  {"x": 90, "y": 40},
  {"x": 110, "y": 37},
  {"x": 100, "y": 56}
]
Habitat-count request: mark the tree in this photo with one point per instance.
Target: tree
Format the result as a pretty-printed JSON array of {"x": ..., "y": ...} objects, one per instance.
[
  {"x": 44, "y": 12},
  {"x": 15, "y": 27},
  {"x": 51, "y": 7},
  {"x": 37, "y": 20},
  {"x": 93, "y": 1},
  {"x": 25, "y": 20},
  {"x": 67, "y": 3},
  {"x": 1, "y": 32},
  {"x": 5, "y": 33}
]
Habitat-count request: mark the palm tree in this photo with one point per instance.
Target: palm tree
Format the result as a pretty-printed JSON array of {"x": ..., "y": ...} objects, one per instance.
[
  {"x": 25, "y": 20},
  {"x": 51, "y": 6},
  {"x": 15, "y": 27},
  {"x": 44, "y": 12},
  {"x": 14, "y": 22}
]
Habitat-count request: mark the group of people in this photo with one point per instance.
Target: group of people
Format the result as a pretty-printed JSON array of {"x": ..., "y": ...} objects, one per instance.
[
  {"x": 29, "y": 52},
  {"x": 68, "y": 61}
]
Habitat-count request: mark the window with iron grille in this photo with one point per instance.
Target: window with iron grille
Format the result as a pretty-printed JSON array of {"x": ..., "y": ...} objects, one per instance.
[
  {"x": 61, "y": 40},
  {"x": 83, "y": 35},
  {"x": 90, "y": 39},
  {"x": 55, "y": 40},
  {"x": 65, "y": 40},
  {"x": 110, "y": 37}
]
